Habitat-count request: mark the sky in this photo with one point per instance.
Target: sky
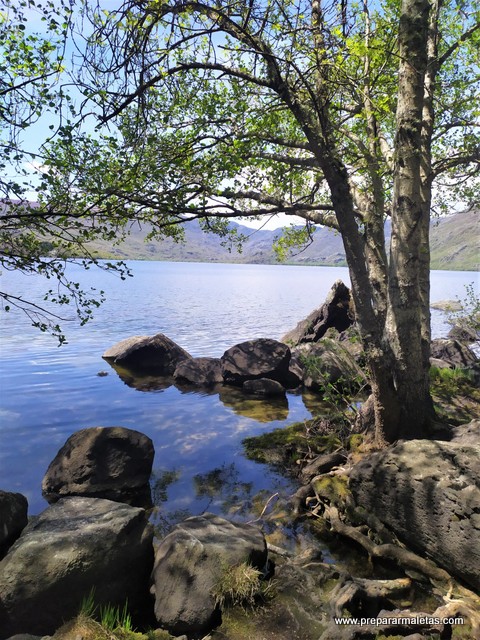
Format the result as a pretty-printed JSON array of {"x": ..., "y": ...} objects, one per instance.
[{"x": 38, "y": 132}]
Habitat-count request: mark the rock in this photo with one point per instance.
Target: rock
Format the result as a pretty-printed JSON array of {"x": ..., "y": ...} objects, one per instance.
[
  {"x": 199, "y": 371},
  {"x": 467, "y": 433},
  {"x": 446, "y": 305},
  {"x": 74, "y": 546},
  {"x": 263, "y": 388},
  {"x": 102, "y": 462},
  {"x": 335, "y": 312},
  {"x": 440, "y": 364},
  {"x": 328, "y": 361},
  {"x": 260, "y": 358},
  {"x": 13, "y": 518},
  {"x": 453, "y": 352},
  {"x": 463, "y": 334},
  {"x": 28, "y": 636},
  {"x": 157, "y": 354},
  {"x": 296, "y": 371},
  {"x": 190, "y": 562},
  {"x": 428, "y": 493}
]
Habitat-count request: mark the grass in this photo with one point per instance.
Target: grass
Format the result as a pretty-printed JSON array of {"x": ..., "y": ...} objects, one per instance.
[{"x": 241, "y": 585}]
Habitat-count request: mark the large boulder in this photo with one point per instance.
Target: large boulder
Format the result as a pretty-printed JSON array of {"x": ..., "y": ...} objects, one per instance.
[
  {"x": 452, "y": 351},
  {"x": 336, "y": 312},
  {"x": 13, "y": 518},
  {"x": 260, "y": 358},
  {"x": 204, "y": 372},
  {"x": 102, "y": 462},
  {"x": 328, "y": 361},
  {"x": 191, "y": 561},
  {"x": 156, "y": 354},
  {"x": 75, "y": 546},
  {"x": 428, "y": 493}
]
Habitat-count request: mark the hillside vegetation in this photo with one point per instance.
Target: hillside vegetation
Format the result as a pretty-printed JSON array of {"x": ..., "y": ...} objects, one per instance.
[{"x": 455, "y": 244}]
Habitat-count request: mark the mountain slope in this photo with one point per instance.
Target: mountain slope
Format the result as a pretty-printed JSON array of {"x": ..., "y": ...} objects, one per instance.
[{"x": 455, "y": 244}]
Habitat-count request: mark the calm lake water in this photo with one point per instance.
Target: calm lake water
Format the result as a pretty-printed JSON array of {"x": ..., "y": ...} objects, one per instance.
[{"x": 48, "y": 392}]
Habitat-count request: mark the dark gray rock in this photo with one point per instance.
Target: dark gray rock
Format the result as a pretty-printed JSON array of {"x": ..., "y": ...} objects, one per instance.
[
  {"x": 453, "y": 352},
  {"x": 428, "y": 493},
  {"x": 260, "y": 358},
  {"x": 463, "y": 333},
  {"x": 102, "y": 462},
  {"x": 199, "y": 372},
  {"x": 296, "y": 371},
  {"x": 28, "y": 636},
  {"x": 156, "y": 354},
  {"x": 13, "y": 518},
  {"x": 74, "y": 546},
  {"x": 263, "y": 388},
  {"x": 190, "y": 562},
  {"x": 336, "y": 312},
  {"x": 327, "y": 361}
]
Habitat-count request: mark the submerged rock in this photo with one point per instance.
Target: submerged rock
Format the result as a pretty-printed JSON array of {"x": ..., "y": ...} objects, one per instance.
[
  {"x": 263, "y": 388},
  {"x": 428, "y": 493},
  {"x": 156, "y": 354},
  {"x": 74, "y": 546},
  {"x": 102, "y": 462}
]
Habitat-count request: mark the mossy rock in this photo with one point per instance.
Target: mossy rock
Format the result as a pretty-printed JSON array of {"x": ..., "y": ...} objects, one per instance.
[
  {"x": 279, "y": 446},
  {"x": 355, "y": 442},
  {"x": 283, "y": 447},
  {"x": 87, "y": 628},
  {"x": 333, "y": 488}
]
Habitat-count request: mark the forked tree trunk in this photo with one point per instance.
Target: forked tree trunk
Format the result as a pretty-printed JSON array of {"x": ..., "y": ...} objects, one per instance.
[{"x": 407, "y": 373}]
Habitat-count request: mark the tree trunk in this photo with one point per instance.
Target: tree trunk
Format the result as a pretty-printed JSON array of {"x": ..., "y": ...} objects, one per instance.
[{"x": 406, "y": 313}]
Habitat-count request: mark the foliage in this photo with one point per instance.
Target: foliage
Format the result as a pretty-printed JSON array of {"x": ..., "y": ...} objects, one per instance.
[
  {"x": 241, "y": 585},
  {"x": 450, "y": 381},
  {"x": 207, "y": 110},
  {"x": 40, "y": 238},
  {"x": 469, "y": 315}
]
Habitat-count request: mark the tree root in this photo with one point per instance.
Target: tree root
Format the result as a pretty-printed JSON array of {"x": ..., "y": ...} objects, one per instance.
[
  {"x": 389, "y": 551},
  {"x": 459, "y": 601}
]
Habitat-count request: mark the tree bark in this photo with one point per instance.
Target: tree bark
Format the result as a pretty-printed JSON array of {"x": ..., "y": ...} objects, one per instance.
[{"x": 407, "y": 313}]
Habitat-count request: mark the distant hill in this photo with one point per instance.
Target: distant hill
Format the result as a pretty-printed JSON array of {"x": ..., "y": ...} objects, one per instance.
[{"x": 455, "y": 245}]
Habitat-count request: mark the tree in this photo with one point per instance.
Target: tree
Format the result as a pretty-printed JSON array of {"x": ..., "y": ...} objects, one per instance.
[
  {"x": 342, "y": 114},
  {"x": 34, "y": 237}
]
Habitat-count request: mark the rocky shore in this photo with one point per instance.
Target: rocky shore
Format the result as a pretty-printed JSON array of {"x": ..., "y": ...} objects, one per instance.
[{"x": 412, "y": 509}]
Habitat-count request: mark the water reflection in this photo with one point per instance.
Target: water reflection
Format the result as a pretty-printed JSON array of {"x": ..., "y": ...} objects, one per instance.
[
  {"x": 260, "y": 409},
  {"x": 141, "y": 382}
]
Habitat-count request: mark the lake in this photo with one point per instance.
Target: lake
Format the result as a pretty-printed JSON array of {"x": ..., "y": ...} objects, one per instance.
[{"x": 48, "y": 392}]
